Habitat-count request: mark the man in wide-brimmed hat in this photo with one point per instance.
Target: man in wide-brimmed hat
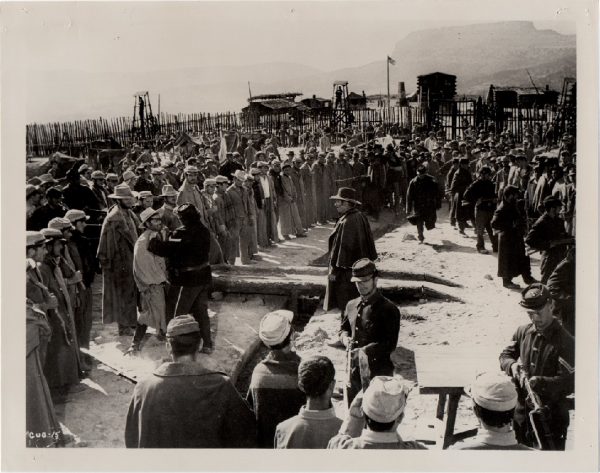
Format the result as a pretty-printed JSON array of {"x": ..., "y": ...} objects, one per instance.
[
  {"x": 115, "y": 252},
  {"x": 167, "y": 211},
  {"x": 350, "y": 241}
]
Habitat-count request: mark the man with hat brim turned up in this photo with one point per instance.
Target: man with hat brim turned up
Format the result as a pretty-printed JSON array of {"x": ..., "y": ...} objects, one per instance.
[
  {"x": 548, "y": 236},
  {"x": 188, "y": 270},
  {"x": 115, "y": 253},
  {"x": 374, "y": 417},
  {"x": 150, "y": 274},
  {"x": 494, "y": 399},
  {"x": 544, "y": 353},
  {"x": 423, "y": 199},
  {"x": 350, "y": 241},
  {"x": 369, "y": 330},
  {"x": 273, "y": 393},
  {"x": 184, "y": 404}
]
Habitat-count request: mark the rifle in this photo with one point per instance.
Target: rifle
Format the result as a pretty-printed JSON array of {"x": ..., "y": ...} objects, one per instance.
[{"x": 538, "y": 416}]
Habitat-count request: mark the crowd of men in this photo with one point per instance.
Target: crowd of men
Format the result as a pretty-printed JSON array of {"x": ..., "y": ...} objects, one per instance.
[{"x": 162, "y": 220}]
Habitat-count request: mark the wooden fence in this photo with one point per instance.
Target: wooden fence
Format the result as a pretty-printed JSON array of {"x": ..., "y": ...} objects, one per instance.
[{"x": 76, "y": 138}]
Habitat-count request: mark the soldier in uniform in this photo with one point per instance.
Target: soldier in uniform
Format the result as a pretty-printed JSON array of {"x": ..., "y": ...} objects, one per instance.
[
  {"x": 369, "y": 330},
  {"x": 188, "y": 271},
  {"x": 545, "y": 353}
]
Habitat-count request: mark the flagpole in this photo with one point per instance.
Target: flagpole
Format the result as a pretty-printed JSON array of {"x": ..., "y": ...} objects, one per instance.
[{"x": 388, "y": 84}]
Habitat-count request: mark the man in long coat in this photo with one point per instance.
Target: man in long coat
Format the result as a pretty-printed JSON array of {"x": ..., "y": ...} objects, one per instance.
[
  {"x": 296, "y": 175},
  {"x": 423, "y": 197},
  {"x": 350, "y": 241},
  {"x": 321, "y": 186},
  {"x": 289, "y": 218},
  {"x": 309, "y": 193},
  {"x": 267, "y": 227},
  {"x": 115, "y": 252}
]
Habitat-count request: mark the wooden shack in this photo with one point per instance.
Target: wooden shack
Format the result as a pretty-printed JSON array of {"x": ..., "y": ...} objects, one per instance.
[
  {"x": 273, "y": 105},
  {"x": 317, "y": 104},
  {"x": 435, "y": 87},
  {"x": 357, "y": 101},
  {"x": 524, "y": 97}
]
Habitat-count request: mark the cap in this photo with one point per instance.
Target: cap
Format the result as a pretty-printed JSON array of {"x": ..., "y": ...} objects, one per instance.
[
  {"x": 363, "y": 270},
  {"x": 144, "y": 194},
  {"x": 59, "y": 223},
  {"x": 182, "y": 325},
  {"x": 535, "y": 296},
  {"x": 147, "y": 214},
  {"x": 168, "y": 191},
  {"x": 75, "y": 215},
  {"x": 275, "y": 327},
  {"x": 98, "y": 175},
  {"x": 494, "y": 391},
  {"x": 52, "y": 234},
  {"x": 35, "y": 238},
  {"x": 239, "y": 174},
  {"x": 128, "y": 175},
  {"x": 254, "y": 171},
  {"x": 385, "y": 399},
  {"x": 210, "y": 182},
  {"x": 111, "y": 176},
  {"x": 54, "y": 192},
  {"x": 221, "y": 179},
  {"x": 191, "y": 170},
  {"x": 30, "y": 189}
]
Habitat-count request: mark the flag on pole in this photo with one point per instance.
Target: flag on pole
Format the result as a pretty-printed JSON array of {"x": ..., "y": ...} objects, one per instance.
[{"x": 391, "y": 61}]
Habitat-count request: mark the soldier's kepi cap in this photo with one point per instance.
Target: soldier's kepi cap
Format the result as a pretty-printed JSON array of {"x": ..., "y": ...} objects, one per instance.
[
  {"x": 182, "y": 325},
  {"x": 385, "y": 399},
  {"x": 494, "y": 391},
  {"x": 535, "y": 296},
  {"x": 363, "y": 270},
  {"x": 275, "y": 327}
]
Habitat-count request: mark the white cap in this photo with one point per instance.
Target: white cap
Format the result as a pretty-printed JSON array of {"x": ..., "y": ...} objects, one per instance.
[
  {"x": 385, "y": 398},
  {"x": 494, "y": 391},
  {"x": 275, "y": 327},
  {"x": 239, "y": 174}
]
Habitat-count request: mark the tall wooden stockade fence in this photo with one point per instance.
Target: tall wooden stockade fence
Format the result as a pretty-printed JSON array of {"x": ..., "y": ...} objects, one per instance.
[{"x": 452, "y": 117}]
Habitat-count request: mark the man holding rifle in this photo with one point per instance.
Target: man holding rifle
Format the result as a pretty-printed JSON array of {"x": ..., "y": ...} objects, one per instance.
[{"x": 541, "y": 358}]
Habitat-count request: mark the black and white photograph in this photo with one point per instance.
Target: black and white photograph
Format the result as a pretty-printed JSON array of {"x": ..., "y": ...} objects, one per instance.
[{"x": 303, "y": 225}]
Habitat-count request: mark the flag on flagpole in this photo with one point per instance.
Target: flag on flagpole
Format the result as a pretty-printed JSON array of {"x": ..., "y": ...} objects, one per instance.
[{"x": 391, "y": 61}]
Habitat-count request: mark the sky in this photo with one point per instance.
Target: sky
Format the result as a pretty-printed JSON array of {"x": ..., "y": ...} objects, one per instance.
[{"x": 115, "y": 36}]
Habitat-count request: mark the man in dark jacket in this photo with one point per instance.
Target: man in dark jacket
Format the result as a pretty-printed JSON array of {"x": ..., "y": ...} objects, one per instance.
[
  {"x": 52, "y": 209},
  {"x": 548, "y": 236},
  {"x": 350, "y": 241},
  {"x": 482, "y": 195},
  {"x": 188, "y": 270},
  {"x": 460, "y": 181},
  {"x": 78, "y": 196},
  {"x": 183, "y": 404},
  {"x": 449, "y": 177},
  {"x": 423, "y": 197},
  {"x": 561, "y": 285},
  {"x": 369, "y": 330},
  {"x": 544, "y": 352}
]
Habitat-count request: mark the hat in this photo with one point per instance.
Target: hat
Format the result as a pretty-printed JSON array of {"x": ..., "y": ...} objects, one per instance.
[
  {"x": 552, "y": 201},
  {"x": 111, "y": 176},
  {"x": 254, "y": 171},
  {"x": 157, "y": 171},
  {"x": 47, "y": 179},
  {"x": 52, "y": 234},
  {"x": 128, "y": 175},
  {"x": 83, "y": 168},
  {"x": 30, "y": 189},
  {"x": 221, "y": 179},
  {"x": 385, "y": 399},
  {"x": 494, "y": 391},
  {"x": 191, "y": 161},
  {"x": 182, "y": 325},
  {"x": 241, "y": 175},
  {"x": 186, "y": 210},
  {"x": 54, "y": 192},
  {"x": 98, "y": 175},
  {"x": 146, "y": 215},
  {"x": 75, "y": 215},
  {"x": 363, "y": 270},
  {"x": 210, "y": 182},
  {"x": 168, "y": 191},
  {"x": 297, "y": 159},
  {"x": 347, "y": 194},
  {"x": 261, "y": 164},
  {"x": 534, "y": 296},
  {"x": 59, "y": 223},
  {"x": 144, "y": 194},
  {"x": 35, "y": 238},
  {"x": 121, "y": 191},
  {"x": 275, "y": 327},
  {"x": 191, "y": 170}
]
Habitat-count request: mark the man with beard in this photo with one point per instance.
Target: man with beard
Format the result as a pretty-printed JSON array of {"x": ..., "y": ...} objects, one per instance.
[
  {"x": 115, "y": 252},
  {"x": 423, "y": 196},
  {"x": 350, "y": 241}
]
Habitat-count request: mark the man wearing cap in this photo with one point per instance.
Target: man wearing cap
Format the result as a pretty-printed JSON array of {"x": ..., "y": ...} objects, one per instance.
[
  {"x": 317, "y": 422},
  {"x": 98, "y": 182},
  {"x": 482, "y": 195},
  {"x": 229, "y": 166},
  {"x": 129, "y": 178},
  {"x": 170, "y": 221},
  {"x": 158, "y": 181},
  {"x": 186, "y": 252},
  {"x": 494, "y": 399},
  {"x": 273, "y": 393},
  {"x": 33, "y": 197},
  {"x": 374, "y": 417},
  {"x": 237, "y": 214},
  {"x": 115, "y": 253},
  {"x": 460, "y": 181},
  {"x": 186, "y": 404},
  {"x": 53, "y": 208},
  {"x": 350, "y": 241},
  {"x": 544, "y": 352},
  {"x": 145, "y": 201},
  {"x": 46, "y": 182},
  {"x": 548, "y": 236},
  {"x": 150, "y": 275},
  {"x": 289, "y": 217},
  {"x": 170, "y": 176},
  {"x": 369, "y": 330},
  {"x": 423, "y": 199}
]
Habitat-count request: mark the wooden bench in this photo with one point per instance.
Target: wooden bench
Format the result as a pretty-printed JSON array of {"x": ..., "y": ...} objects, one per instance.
[{"x": 445, "y": 372}]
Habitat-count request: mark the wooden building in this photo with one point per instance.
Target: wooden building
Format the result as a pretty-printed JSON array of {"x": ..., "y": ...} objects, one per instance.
[
  {"x": 435, "y": 87},
  {"x": 525, "y": 97}
]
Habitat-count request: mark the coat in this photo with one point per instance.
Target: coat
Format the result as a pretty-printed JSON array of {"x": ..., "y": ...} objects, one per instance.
[
  {"x": 309, "y": 194},
  {"x": 115, "y": 252},
  {"x": 423, "y": 197},
  {"x": 509, "y": 224},
  {"x": 289, "y": 218},
  {"x": 185, "y": 405},
  {"x": 321, "y": 186}
]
